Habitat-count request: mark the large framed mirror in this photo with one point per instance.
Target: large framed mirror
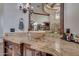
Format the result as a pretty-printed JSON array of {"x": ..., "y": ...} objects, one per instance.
[{"x": 47, "y": 17}]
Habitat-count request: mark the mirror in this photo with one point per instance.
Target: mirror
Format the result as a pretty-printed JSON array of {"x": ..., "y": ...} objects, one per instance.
[
  {"x": 45, "y": 18},
  {"x": 40, "y": 22}
]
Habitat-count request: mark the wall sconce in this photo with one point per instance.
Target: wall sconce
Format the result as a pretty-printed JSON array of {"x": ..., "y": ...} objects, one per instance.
[{"x": 24, "y": 7}]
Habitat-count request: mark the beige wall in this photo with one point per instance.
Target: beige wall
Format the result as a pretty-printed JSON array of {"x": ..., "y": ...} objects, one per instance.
[
  {"x": 1, "y": 13},
  {"x": 71, "y": 17},
  {"x": 11, "y": 16}
]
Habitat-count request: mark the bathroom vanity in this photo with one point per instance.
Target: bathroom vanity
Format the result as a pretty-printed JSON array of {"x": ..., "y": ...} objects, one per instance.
[{"x": 25, "y": 44}]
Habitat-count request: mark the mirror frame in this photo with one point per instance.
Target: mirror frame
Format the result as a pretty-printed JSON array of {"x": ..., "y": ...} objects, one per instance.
[{"x": 61, "y": 18}]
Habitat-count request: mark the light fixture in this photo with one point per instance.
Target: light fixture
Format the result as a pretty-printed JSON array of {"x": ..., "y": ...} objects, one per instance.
[{"x": 24, "y": 7}]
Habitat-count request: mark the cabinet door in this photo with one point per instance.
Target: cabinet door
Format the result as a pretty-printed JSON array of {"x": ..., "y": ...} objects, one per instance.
[
  {"x": 8, "y": 48},
  {"x": 28, "y": 52},
  {"x": 16, "y": 50},
  {"x": 39, "y": 53},
  {"x": 11, "y": 49},
  {"x": 43, "y": 54}
]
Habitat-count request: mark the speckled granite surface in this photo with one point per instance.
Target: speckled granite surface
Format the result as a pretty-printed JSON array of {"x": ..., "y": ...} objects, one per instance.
[{"x": 50, "y": 44}]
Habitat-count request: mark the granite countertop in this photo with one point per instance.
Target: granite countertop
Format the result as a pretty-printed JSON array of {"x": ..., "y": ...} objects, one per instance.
[{"x": 49, "y": 44}]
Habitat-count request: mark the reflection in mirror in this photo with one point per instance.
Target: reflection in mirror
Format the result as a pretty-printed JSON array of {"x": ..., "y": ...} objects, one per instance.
[
  {"x": 39, "y": 22},
  {"x": 45, "y": 18}
]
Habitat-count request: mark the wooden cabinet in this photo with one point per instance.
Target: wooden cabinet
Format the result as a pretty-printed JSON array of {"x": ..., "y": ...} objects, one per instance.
[
  {"x": 28, "y": 51},
  {"x": 11, "y": 49},
  {"x": 23, "y": 49}
]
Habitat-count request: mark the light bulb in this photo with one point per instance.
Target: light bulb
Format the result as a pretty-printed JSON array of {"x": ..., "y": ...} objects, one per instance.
[
  {"x": 32, "y": 8},
  {"x": 20, "y": 6}
]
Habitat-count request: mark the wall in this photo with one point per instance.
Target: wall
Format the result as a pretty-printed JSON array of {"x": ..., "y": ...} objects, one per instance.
[
  {"x": 71, "y": 17},
  {"x": 1, "y": 13},
  {"x": 11, "y": 17}
]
